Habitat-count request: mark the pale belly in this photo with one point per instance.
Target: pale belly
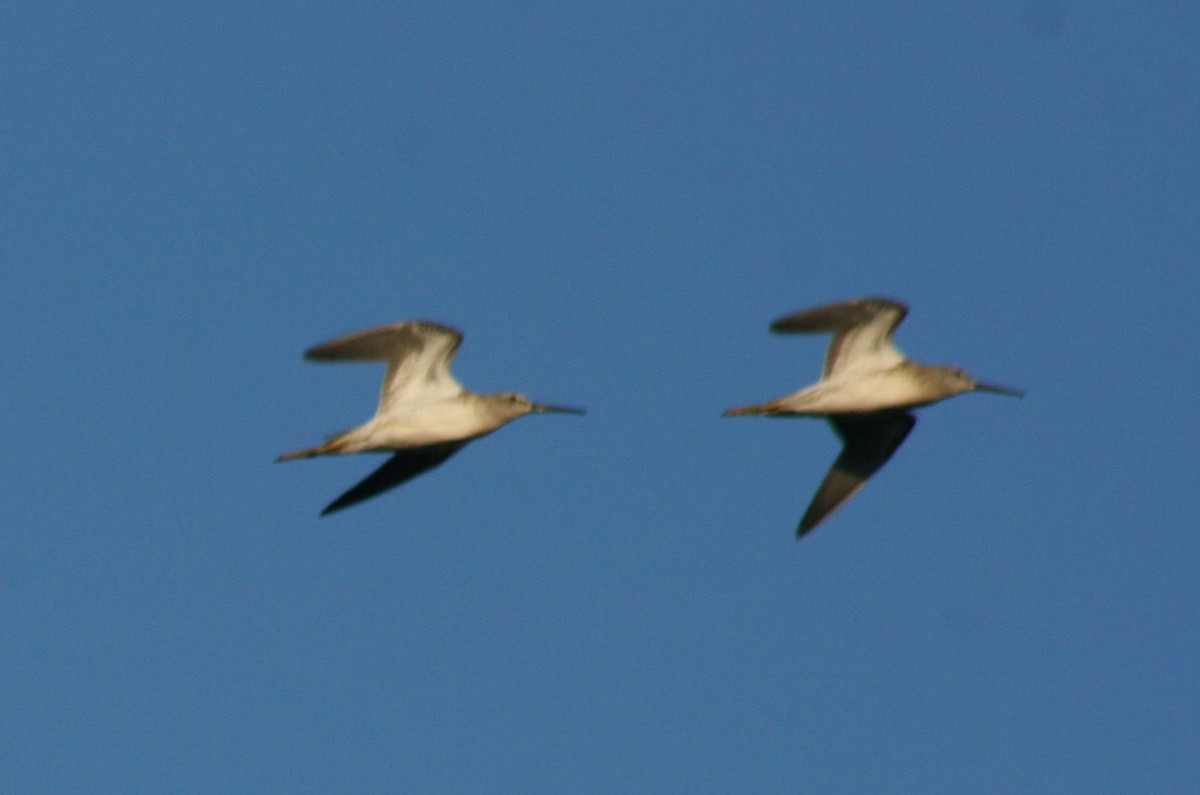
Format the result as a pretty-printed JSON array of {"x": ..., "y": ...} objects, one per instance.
[
  {"x": 423, "y": 424},
  {"x": 887, "y": 389}
]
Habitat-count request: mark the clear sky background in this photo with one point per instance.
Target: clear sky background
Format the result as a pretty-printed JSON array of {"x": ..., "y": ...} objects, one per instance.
[{"x": 612, "y": 202}]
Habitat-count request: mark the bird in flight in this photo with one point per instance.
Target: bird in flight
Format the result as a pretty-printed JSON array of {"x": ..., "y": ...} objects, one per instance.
[
  {"x": 424, "y": 416},
  {"x": 867, "y": 392}
]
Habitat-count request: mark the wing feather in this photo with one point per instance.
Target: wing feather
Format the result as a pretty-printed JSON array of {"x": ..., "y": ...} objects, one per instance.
[
  {"x": 868, "y": 442},
  {"x": 403, "y": 466},
  {"x": 862, "y": 333},
  {"x": 418, "y": 355}
]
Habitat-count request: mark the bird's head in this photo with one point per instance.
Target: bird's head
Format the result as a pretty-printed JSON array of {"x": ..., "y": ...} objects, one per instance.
[
  {"x": 965, "y": 383},
  {"x": 511, "y": 405}
]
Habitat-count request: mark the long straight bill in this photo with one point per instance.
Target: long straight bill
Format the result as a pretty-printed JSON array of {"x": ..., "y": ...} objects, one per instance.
[
  {"x": 999, "y": 390},
  {"x": 544, "y": 409}
]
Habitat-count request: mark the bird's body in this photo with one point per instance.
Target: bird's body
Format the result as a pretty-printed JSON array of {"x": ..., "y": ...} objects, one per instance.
[
  {"x": 904, "y": 385},
  {"x": 424, "y": 414},
  {"x": 462, "y": 418},
  {"x": 867, "y": 390}
]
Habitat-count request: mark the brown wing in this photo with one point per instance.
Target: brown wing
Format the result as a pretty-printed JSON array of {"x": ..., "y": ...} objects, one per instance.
[
  {"x": 868, "y": 442},
  {"x": 862, "y": 332},
  {"x": 401, "y": 467},
  {"x": 418, "y": 355}
]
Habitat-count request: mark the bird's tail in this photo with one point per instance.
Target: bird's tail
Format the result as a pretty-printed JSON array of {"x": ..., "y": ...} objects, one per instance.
[
  {"x": 332, "y": 446},
  {"x": 764, "y": 408}
]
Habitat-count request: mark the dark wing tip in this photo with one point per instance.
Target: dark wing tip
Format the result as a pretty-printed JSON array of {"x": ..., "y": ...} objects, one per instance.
[
  {"x": 839, "y": 485},
  {"x": 837, "y": 317},
  {"x": 381, "y": 343},
  {"x": 806, "y": 526},
  {"x": 868, "y": 443},
  {"x": 403, "y": 466},
  {"x": 339, "y": 504}
]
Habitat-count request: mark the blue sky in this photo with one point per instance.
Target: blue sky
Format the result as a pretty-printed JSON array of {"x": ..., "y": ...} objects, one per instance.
[{"x": 612, "y": 202}]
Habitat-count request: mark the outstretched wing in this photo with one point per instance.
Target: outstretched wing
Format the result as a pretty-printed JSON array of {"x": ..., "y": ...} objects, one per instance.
[
  {"x": 418, "y": 355},
  {"x": 404, "y": 465},
  {"x": 862, "y": 333},
  {"x": 868, "y": 442}
]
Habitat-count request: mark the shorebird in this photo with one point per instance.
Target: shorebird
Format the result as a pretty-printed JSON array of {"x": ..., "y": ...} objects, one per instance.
[
  {"x": 424, "y": 416},
  {"x": 867, "y": 392}
]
